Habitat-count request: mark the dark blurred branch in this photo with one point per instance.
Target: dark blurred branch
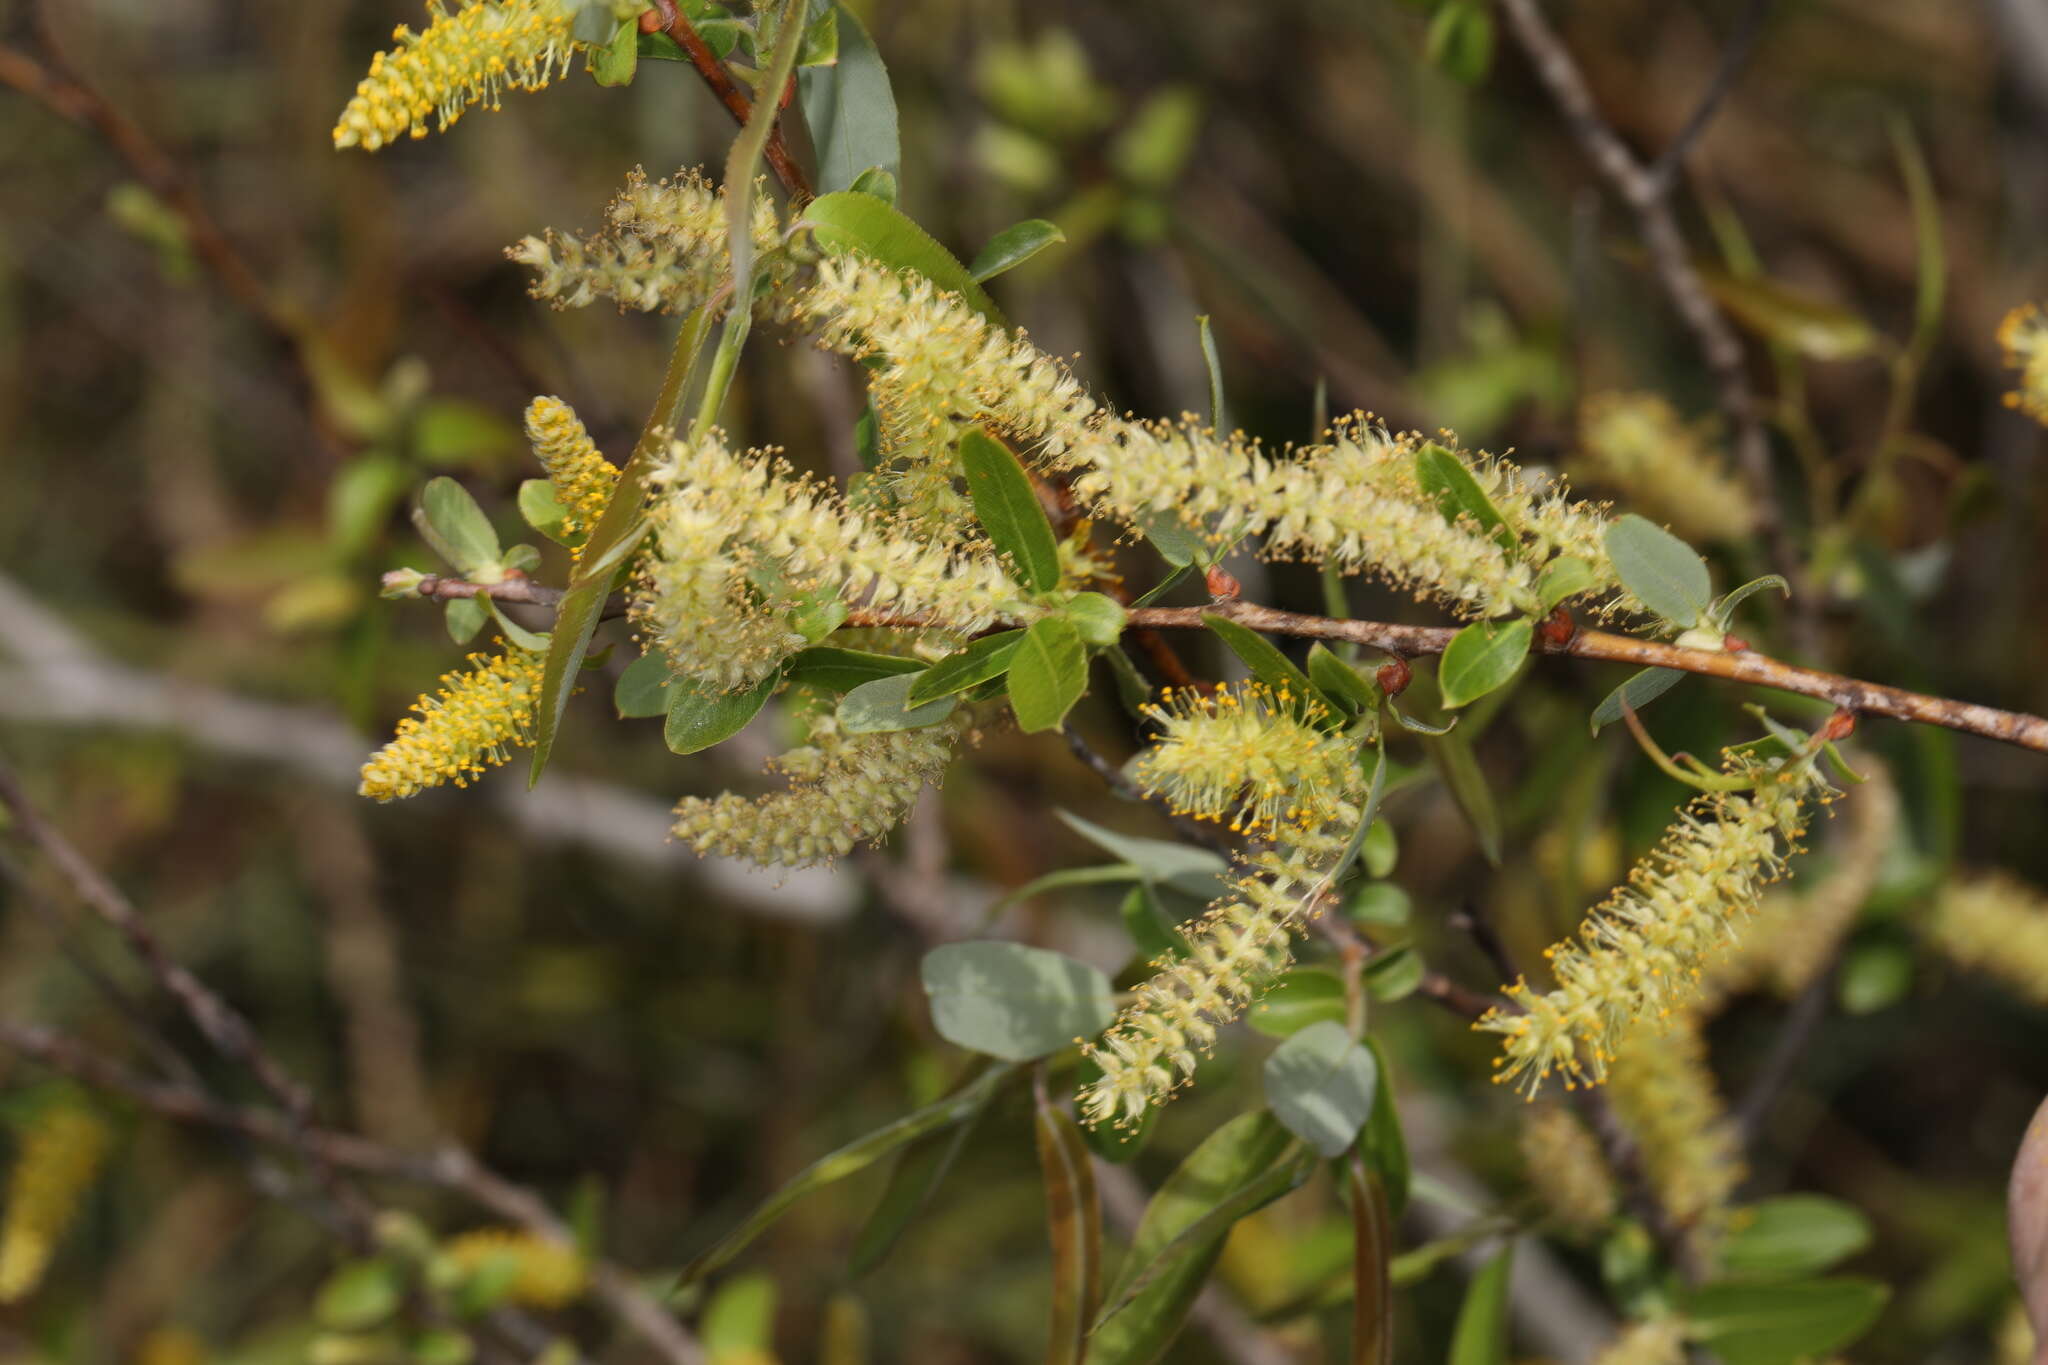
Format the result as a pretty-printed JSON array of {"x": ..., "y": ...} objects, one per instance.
[
  {"x": 1647, "y": 193},
  {"x": 669, "y": 18},
  {"x": 1735, "y": 55}
]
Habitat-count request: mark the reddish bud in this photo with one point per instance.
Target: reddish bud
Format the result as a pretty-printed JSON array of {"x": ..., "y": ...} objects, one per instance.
[
  {"x": 1558, "y": 628},
  {"x": 1840, "y": 725},
  {"x": 1222, "y": 586},
  {"x": 1394, "y": 677},
  {"x": 1734, "y": 644},
  {"x": 650, "y": 21}
]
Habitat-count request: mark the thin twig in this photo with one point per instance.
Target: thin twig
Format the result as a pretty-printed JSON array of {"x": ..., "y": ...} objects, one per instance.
[
  {"x": 1735, "y": 55},
  {"x": 678, "y": 26}
]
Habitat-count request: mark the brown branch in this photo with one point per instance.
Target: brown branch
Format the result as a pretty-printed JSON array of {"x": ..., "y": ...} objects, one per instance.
[
  {"x": 449, "y": 1168},
  {"x": 1647, "y": 193},
  {"x": 677, "y": 25},
  {"x": 516, "y": 588}
]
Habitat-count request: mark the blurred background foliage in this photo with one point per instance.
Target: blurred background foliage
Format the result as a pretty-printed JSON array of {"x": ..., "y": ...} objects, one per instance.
[{"x": 194, "y": 516}]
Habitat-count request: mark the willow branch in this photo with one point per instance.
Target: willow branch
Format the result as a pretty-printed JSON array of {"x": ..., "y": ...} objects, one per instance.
[{"x": 668, "y": 17}]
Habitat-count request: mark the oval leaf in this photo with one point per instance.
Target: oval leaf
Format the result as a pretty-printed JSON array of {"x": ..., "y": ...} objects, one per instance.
[
  {"x": 1482, "y": 657},
  {"x": 1777, "y": 1324},
  {"x": 883, "y": 706},
  {"x": 1014, "y": 1002},
  {"x": 981, "y": 660},
  {"x": 1457, "y": 494},
  {"x": 848, "y": 220},
  {"x": 1302, "y": 997},
  {"x": 1791, "y": 1236},
  {"x": 1013, "y": 246},
  {"x": 642, "y": 689},
  {"x": 1665, "y": 572},
  {"x": 1009, "y": 509},
  {"x": 1048, "y": 674},
  {"x": 1321, "y": 1084},
  {"x": 850, "y": 110},
  {"x": 450, "y": 521},
  {"x": 698, "y": 719}
]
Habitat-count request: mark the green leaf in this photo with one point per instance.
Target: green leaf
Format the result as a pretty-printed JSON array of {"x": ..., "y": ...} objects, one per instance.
[
  {"x": 1457, "y": 494},
  {"x": 1009, "y": 509},
  {"x": 1481, "y": 1336},
  {"x": 1367, "y": 815},
  {"x": 979, "y": 661},
  {"x": 850, "y": 110},
  {"x": 1265, "y": 660},
  {"x": 615, "y": 62},
  {"x": 1340, "y": 681},
  {"x": 1219, "y": 410},
  {"x": 1640, "y": 690},
  {"x": 1665, "y": 572},
  {"x": 849, "y": 221},
  {"x": 1378, "y": 903},
  {"x": 1565, "y": 577},
  {"x": 1098, "y": 618},
  {"x": 699, "y": 718},
  {"x": 1381, "y": 1145},
  {"x": 883, "y": 706},
  {"x": 1014, "y": 1002},
  {"x": 1874, "y": 976},
  {"x": 1778, "y": 1324},
  {"x": 1063, "y": 877},
  {"x": 1792, "y": 1236},
  {"x": 1192, "y": 871},
  {"x": 739, "y": 1321},
  {"x": 1481, "y": 657},
  {"x": 576, "y": 618},
  {"x": 358, "y": 1296},
  {"x": 465, "y": 617},
  {"x": 842, "y": 670},
  {"x": 1381, "y": 849},
  {"x": 1461, "y": 42},
  {"x": 1178, "y": 543},
  {"x": 1151, "y": 929},
  {"x": 1791, "y": 317},
  {"x": 918, "y": 1173},
  {"x": 1048, "y": 674},
  {"x": 881, "y": 184},
  {"x": 1074, "y": 1224},
  {"x": 1724, "y": 610},
  {"x": 1455, "y": 763},
  {"x": 1321, "y": 1084},
  {"x": 1394, "y": 974},
  {"x": 1301, "y": 997},
  {"x": 855, "y": 1156},
  {"x": 820, "y": 45},
  {"x": 450, "y": 521},
  {"x": 1228, "y": 1160},
  {"x": 1013, "y": 246}
]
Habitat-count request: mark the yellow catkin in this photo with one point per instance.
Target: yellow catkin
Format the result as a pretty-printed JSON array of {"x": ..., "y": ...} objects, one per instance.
[
  {"x": 1246, "y": 754},
  {"x": 460, "y": 59},
  {"x": 582, "y": 478},
  {"x": 1638, "y": 957},
  {"x": 2024, "y": 336},
  {"x": 60, "y": 1154},
  {"x": 1997, "y": 925},
  {"x": 550, "y": 1275},
  {"x": 472, "y": 723},
  {"x": 172, "y": 1345},
  {"x": 1566, "y": 1170},
  {"x": 1636, "y": 445},
  {"x": 1664, "y": 1094},
  {"x": 1659, "y": 1341}
]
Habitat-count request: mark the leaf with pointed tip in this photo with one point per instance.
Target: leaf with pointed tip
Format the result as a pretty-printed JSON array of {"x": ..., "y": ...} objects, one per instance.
[
  {"x": 847, "y": 220},
  {"x": 1265, "y": 660},
  {"x": 1009, "y": 509},
  {"x": 450, "y": 521},
  {"x": 698, "y": 718},
  {"x": 1481, "y": 1336},
  {"x": 883, "y": 706},
  {"x": 851, "y": 112},
  {"x": 1074, "y": 1224},
  {"x": 1013, "y": 246},
  {"x": 842, "y": 670},
  {"x": 1048, "y": 674},
  {"x": 979, "y": 661},
  {"x": 1639, "y": 690},
  {"x": 1457, "y": 494}
]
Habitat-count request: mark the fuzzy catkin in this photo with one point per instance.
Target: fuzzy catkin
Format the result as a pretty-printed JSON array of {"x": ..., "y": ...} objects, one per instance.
[
  {"x": 583, "y": 479},
  {"x": 1664, "y": 1094},
  {"x": 1994, "y": 924},
  {"x": 1658, "y": 1341},
  {"x": 59, "y": 1156},
  {"x": 844, "y": 790},
  {"x": 460, "y": 59},
  {"x": 1247, "y": 754},
  {"x": 547, "y": 1274},
  {"x": 662, "y": 249},
  {"x": 472, "y": 723},
  {"x": 1635, "y": 444},
  {"x": 1638, "y": 956},
  {"x": 1566, "y": 1170}
]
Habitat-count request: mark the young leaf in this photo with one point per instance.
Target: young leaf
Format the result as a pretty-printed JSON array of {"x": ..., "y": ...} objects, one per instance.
[
  {"x": 1014, "y": 1002},
  {"x": 851, "y": 111},
  {"x": 881, "y": 184},
  {"x": 1151, "y": 929},
  {"x": 1640, "y": 690},
  {"x": 1013, "y": 246},
  {"x": 1098, "y": 618},
  {"x": 1481, "y": 657},
  {"x": 1457, "y": 494},
  {"x": 842, "y": 670},
  {"x": 542, "y": 510},
  {"x": 981, "y": 660},
  {"x": 1009, "y": 509},
  {"x": 1724, "y": 610},
  {"x": 1048, "y": 674},
  {"x": 1301, "y": 997},
  {"x": 465, "y": 617},
  {"x": 1564, "y": 577},
  {"x": 1394, "y": 974},
  {"x": 1219, "y": 411},
  {"x": 1265, "y": 660},
  {"x": 698, "y": 719},
  {"x": 1178, "y": 543},
  {"x": 1792, "y": 1236},
  {"x": 1659, "y": 568},
  {"x": 1074, "y": 1223},
  {"x": 850, "y": 221},
  {"x": 1461, "y": 41},
  {"x": 615, "y": 62},
  {"x": 1340, "y": 681},
  {"x": 1777, "y": 1324},
  {"x": 1381, "y": 1145},
  {"x": 1191, "y": 871},
  {"x": 1481, "y": 1336},
  {"x": 883, "y": 705},
  {"x": 1813, "y": 327},
  {"x": 450, "y": 521},
  {"x": 1321, "y": 1084}
]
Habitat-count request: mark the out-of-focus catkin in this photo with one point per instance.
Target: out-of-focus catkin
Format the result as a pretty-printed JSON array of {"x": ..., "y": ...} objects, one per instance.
[
  {"x": 1664, "y": 1093},
  {"x": 1566, "y": 1170},
  {"x": 1995, "y": 924},
  {"x": 59, "y": 1156}
]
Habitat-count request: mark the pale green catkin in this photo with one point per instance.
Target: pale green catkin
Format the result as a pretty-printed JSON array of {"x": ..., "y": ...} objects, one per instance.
[{"x": 1664, "y": 1094}]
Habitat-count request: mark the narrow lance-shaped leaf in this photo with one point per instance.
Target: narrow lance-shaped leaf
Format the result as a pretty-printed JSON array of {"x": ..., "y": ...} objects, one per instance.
[
  {"x": 1457, "y": 494},
  {"x": 919, "y": 1171},
  {"x": 1073, "y": 1218},
  {"x": 1481, "y": 1336},
  {"x": 1013, "y": 246},
  {"x": 981, "y": 660},
  {"x": 1639, "y": 691},
  {"x": 1372, "y": 1252},
  {"x": 1265, "y": 660},
  {"x": 1009, "y": 509},
  {"x": 850, "y": 109}
]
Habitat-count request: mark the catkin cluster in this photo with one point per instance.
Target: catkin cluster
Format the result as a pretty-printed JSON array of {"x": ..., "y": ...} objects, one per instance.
[
  {"x": 60, "y": 1155},
  {"x": 460, "y": 59},
  {"x": 1997, "y": 925},
  {"x": 1251, "y": 755},
  {"x": 843, "y": 790},
  {"x": 581, "y": 477},
  {"x": 1663, "y": 1091},
  {"x": 1566, "y": 1170},
  {"x": 1638, "y": 956},
  {"x": 472, "y": 723},
  {"x": 544, "y": 1274}
]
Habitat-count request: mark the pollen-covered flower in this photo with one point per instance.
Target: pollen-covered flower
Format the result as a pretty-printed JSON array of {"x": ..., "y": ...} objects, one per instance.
[
  {"x": 545, "y": 1274},
  {"x": 1566, "y": 1170},
  {"x": 1246, "y": 754},
  {"x": 2024, "y": 335},
  {"x": 473, "y": 722},
  {"x": 1635, "y": 444},
  {"x": 737, "y": 537},
  {"x": 662, "y": 249},
  {"x": 1664, "y": 1094},
  {"x": 1997, "y": 925},
  {"x": 844, "y": 790},
  {"x": 459, "y": 59},
  {"x": 582, "y": 478},
  {"x": 1638, "y": 956},
  {"x": 59, "y": 1156},
  {"x": 1657, "y": 1341}
]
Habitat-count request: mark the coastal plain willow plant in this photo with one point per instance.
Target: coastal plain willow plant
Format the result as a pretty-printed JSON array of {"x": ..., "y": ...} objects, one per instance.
[{"x": 965, "y": 581}]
